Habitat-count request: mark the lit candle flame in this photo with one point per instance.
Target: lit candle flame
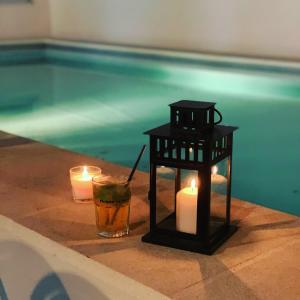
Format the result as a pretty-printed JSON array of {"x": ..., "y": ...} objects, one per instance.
[
  {"x": 191, "y": 150},
  {"x": 85, "y": 173},
  {"x": 193, "y": 184},
  {"x": 214, "y": 170}
]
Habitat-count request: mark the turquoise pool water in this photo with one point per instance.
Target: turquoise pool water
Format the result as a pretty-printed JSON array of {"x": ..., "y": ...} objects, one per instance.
[{"x": 100, "y": 105}]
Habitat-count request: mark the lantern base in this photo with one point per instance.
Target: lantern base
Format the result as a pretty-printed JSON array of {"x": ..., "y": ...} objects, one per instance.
[{"x": 192, "y": 245}]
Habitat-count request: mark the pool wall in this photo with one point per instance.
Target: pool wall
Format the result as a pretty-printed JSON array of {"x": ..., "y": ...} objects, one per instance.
[
  {"x": 244, "y": 75},
  {"x": 40, "y": 48}
]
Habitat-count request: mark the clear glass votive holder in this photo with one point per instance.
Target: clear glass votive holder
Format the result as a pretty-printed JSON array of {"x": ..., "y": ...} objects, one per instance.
[
  {"x": 81, "y": 182},
  {"x": 112, "y": 205}
]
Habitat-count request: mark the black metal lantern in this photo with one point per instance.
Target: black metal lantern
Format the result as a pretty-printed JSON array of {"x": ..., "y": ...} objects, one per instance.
[{"x": 198, "y": 152}]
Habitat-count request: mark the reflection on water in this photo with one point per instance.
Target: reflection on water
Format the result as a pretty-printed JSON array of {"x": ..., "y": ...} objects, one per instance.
[
  {"x": 103, "y": 112},
  {"x": 18, "y": 105}
]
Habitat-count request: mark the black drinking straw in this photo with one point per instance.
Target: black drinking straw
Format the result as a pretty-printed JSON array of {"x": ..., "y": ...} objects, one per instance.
[
  {"x": 128, "y": 181},
  {"x": 136, "y": 164}
]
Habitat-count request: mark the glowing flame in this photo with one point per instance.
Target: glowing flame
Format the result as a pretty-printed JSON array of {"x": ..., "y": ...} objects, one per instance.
[
  {"x": 193, "y": 184},
  {"x": 85, "y": 173},
  {"x": 191, "y": 150},
  {"x": 214, "y": 170}
]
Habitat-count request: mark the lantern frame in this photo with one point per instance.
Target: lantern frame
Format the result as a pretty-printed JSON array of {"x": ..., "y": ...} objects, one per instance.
[{"x": 192, "y": 125}]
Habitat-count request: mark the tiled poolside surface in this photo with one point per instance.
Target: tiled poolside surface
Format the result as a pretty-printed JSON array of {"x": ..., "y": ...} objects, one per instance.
[{"x": 261, "y": 261}]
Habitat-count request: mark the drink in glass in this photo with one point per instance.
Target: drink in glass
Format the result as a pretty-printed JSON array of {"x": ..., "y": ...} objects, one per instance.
[{"x": 112, "y": 205}]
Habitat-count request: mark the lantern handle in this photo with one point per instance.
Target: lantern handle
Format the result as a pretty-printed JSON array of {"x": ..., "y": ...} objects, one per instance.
[{"x": 220, "y": 116}]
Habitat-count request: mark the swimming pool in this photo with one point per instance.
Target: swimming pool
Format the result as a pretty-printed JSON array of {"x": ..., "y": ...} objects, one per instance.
[{"x": 100, "y": 102}]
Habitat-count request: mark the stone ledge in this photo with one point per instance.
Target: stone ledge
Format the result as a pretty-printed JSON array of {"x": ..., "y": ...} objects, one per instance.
[{"x": 261, "y": 261}]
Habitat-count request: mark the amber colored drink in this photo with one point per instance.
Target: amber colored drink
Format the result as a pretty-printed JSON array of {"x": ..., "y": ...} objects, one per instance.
[{"x": 112, "y": 206}]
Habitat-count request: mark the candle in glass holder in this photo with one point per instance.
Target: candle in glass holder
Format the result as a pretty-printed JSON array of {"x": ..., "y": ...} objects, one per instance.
[
  {"x": 165, "y": 170},
  {"x": 217, "y": 178},
  {"x": 81, "y": 181},
  {"x": 218, "y": 182}
]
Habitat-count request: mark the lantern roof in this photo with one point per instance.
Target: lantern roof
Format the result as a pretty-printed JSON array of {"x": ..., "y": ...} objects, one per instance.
[
  {"x": 167, "y": 131},
  {"x": 192, "y": 104}
]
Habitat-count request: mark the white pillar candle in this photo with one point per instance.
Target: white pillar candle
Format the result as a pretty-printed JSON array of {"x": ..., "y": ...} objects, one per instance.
[
  {"x": 186, "y": 209},
  {"x": 81, "y": 181}
]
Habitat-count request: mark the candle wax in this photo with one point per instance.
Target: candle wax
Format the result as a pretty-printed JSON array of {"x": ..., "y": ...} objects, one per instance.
[
  {"x": 186, "y": 210},
  {"x": 82, "y": 187}
]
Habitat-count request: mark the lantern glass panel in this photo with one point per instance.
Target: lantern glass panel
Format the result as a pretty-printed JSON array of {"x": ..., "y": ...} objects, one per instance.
[
  {"x": 165, "y": 192},
  {"x": 219, "y": 180}
]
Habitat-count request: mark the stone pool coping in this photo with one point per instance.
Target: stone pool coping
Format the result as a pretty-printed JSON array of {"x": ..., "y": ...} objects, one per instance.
[{"x": 261, "y": 261}]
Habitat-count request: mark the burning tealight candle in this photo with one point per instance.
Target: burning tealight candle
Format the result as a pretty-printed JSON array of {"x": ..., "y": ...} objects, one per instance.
[
  {"x": 217, "y": 178},
  {"x": 186, "y": 209},
  {"x": 81, "y": 181}
]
